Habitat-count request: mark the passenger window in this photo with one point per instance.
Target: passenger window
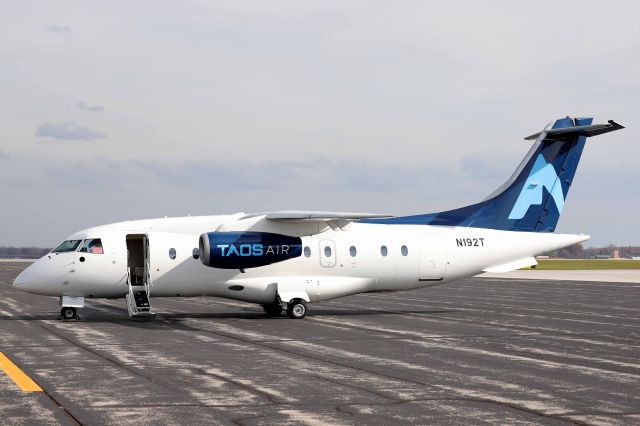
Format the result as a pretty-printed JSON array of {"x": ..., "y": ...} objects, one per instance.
[
  {"x": 404, "y": 250},
  {"x": 307, "y": 251},
  {"x": 172, "y": 253},
  {"x": 196, "y": 253},
  {"x": 352, "y": 251},
  {"x": 384, "y": 251},
  {"x": 92, "y": 246},
  {"x": 327, "y": 251}
]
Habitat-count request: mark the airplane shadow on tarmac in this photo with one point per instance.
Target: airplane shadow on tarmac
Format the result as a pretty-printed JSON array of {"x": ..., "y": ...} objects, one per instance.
[
  {"x": 314, "y": 313},
  {"x": 120, "y": 315}
]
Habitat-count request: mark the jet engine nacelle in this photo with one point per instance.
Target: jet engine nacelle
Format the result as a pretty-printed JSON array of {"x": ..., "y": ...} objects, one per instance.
[{"x": 240, "y": 250}]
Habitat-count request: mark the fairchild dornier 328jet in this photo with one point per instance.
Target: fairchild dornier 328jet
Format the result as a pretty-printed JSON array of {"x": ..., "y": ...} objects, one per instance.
[{"x": 287, "y": 259}]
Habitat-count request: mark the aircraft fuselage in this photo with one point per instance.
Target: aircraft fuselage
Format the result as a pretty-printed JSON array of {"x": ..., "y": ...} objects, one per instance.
[{"x": 362, "y": 258}]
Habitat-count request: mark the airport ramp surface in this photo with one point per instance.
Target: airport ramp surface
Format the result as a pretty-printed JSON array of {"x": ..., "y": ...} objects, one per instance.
[
  {"x": 603, "y": 276},
  {"x": 478, "y": 351}
]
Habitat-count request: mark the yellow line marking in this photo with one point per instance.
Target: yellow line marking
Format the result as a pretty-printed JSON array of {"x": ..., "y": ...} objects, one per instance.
[{"x": 24, "y": 382}]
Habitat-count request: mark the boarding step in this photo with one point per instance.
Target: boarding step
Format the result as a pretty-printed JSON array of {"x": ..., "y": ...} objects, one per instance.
[
  {"x": 138, "y": 303},
  {"x": 141, "y": 299}
]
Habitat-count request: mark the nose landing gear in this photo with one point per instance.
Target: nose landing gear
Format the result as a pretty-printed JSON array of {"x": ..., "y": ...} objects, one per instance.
[
  {"x": 69, "y": 313},
  {"x": 69, "y": 307}
]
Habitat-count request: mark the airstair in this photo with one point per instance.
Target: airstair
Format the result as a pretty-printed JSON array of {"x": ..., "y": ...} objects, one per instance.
[{"x": 139, "y": 282}]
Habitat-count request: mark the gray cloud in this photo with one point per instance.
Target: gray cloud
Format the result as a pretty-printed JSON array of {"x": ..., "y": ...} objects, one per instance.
[
  {"x": 4, "y": 156},
  {"x": 68, "y": 131},
  {"x": 149, "y": 188},
  {"x": 367, "y": 106},
  {"x": 336, "y": 184},
  {"x": 318, "y": 173},
  {"x": 87, "y": 107},
  {"x": 60, "y": 29}
]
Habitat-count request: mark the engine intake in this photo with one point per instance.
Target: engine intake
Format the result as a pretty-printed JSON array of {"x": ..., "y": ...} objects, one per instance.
[{"x": 240, "y": 250}]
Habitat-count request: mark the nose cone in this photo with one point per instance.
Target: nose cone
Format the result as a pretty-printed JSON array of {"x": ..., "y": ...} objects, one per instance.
[
  {"x": 24, "y": 278},
  {"x": 31, "y": 279}
]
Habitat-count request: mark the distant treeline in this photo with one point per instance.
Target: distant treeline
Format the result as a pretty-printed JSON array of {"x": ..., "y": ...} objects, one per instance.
[
  {"x": 577, "y": 251},
  {"x": 23, "y": 252}
]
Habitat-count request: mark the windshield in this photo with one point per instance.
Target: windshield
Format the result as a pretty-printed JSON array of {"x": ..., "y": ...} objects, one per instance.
[{"x": 69, "y": 245}]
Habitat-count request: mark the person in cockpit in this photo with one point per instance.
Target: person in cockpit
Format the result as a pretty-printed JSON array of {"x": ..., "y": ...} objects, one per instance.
[
  {"x": 92, "y": 246},
  {"x": 95, "y": 247}
]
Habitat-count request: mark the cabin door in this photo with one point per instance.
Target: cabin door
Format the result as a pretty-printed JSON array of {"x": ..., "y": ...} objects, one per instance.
[
  {"x": 433, "y": 257},
  {"x": 138, "y": 259}
]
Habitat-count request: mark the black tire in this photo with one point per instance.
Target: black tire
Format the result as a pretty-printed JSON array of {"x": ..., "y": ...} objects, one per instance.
[
  {"x": 68, "y": 313},
  {"x": 297, "y": 309},
  {"x": 272, "y": 309}
]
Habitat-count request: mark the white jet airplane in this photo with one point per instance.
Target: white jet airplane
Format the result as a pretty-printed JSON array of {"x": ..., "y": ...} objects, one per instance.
[{"x": 284, "y": 260}]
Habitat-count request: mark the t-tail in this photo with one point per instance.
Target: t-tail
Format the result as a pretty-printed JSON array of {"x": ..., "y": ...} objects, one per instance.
[{"x": 533, "y": 198}]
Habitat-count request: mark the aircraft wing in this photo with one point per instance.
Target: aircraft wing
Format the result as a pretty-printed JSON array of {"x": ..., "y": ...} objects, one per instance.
[
  {"x": 299, "y": 222},
  {"x": 316, "y": 216}
]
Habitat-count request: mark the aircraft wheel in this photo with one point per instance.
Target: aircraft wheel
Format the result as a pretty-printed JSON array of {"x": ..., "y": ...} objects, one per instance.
[
  {"x": 68, "y": 313},
  {"x": 272, "y": 309},
  {"x": 297, "y": 309}
]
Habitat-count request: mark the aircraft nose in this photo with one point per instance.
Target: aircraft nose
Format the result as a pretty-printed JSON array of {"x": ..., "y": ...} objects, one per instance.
[
  {"x": 24, "y": 278},
  {"x": 31, "y": 279},
  {"x": 41, "y": 277}
]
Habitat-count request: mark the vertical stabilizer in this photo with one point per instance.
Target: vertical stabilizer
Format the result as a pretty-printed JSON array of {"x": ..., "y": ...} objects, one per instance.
[{"x": 533, "y": 198}]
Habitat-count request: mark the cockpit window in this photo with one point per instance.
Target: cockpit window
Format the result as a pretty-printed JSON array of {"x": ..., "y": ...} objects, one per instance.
[
  {"x": 69, "y": 245},
  {"x": 92, "y": 246}
]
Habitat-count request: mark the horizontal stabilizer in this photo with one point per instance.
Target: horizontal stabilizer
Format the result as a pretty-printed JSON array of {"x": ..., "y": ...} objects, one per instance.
[
  {"x": 567, "y": 132},
  {"x": 512, "y": 266}
]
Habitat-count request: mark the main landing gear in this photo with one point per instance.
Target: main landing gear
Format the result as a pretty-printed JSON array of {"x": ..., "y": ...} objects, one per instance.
[
  {"x": 69, "y": 313},
  {"x": 296, "y": 309},
  {"x": 272, "y": 309}
]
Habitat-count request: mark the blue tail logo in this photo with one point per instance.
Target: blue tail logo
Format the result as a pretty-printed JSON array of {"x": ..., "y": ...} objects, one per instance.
[{"x": 543, "y": 175}]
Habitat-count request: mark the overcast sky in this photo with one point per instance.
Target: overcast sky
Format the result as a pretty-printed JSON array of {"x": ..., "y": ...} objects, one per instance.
[{"x": 122, "y": 110}]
